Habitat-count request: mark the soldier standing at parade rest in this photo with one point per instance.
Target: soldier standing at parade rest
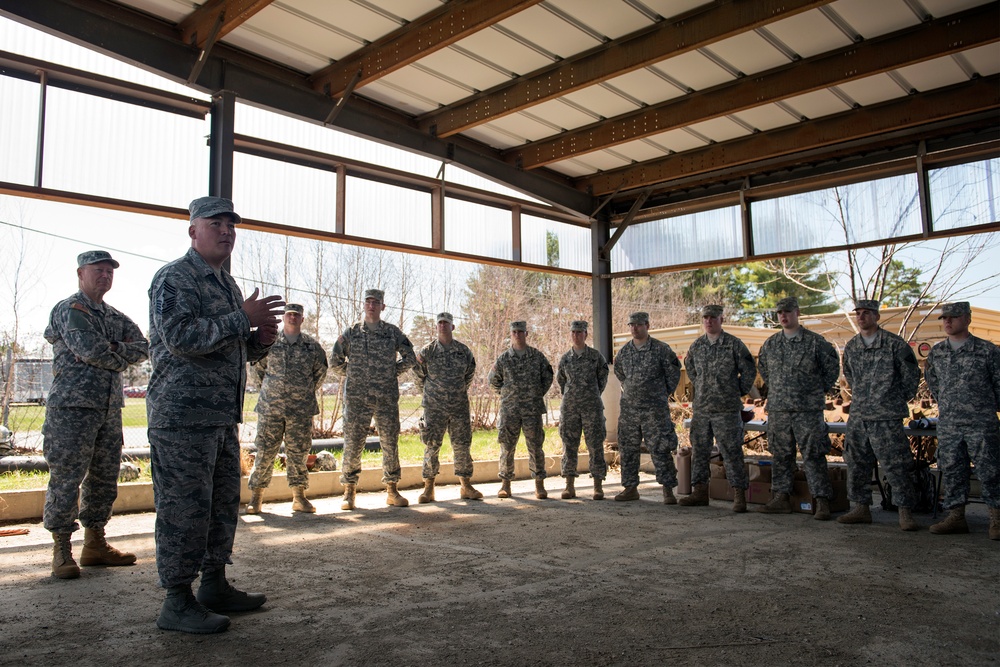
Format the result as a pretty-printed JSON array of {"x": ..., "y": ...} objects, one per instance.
[
  {"x": 963, "y": 374},
  {"x": 371, "y": 355},
  {"x": 202, "y": 333},
  {"x": 92, "y": 343},
  {"x": 289, "y": 377},
  {"x": 799, "y": 367},
  {"x": 649, "y": 372},
  {"x": 883, "y": 375},
  {"x": 444, "y": 371},
  {"x": 521, "y": 375},
  {"x": 722, "y": 371},
  {"x": 582, "y": 376}
]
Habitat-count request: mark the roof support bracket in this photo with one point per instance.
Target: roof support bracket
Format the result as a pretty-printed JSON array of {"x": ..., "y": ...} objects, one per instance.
[
  {"x": 205, "y": 50},
  {"x": 335, "y": 111},
  {"x": 636, "y": 205}
]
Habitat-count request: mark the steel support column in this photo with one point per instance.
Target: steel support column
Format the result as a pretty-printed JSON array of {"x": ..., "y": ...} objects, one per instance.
[
  {"x": 603, "y": 326},
  {"x": 221, "y": 145}
]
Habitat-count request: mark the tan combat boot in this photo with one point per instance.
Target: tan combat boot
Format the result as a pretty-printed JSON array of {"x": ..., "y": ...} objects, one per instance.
[
  {"x": 994, "y": 523},
  {"x": 504, "y": 491},
  {"x": 256, "y": 501},
  {"x": 540, "y": 491},
  {"x": 953, "y": 524},
  {"x": 779, "y": 504},
  {"x": 598, "y": 489},
  {"x": 392, "y": 497},
  {"x": 469, "y": 492},
  {"x": 822, "y": 512},
  {"x": 570, "y": 490},
  {"x": 299, "y": 501},
  {"x": 63, "y": 565},
  {"x": 906, "y": 521},
  {"x": 698, "y": 496},
  {"x": 628, "y": 493},
  {"x": 858, "y": 514},
  {"x": 668, "y": 496},
  {"x": 739, "y": 500},
  {"x": 349, "y": 492},
  {"x": 428, "y": 495},
  {"x": 97, "y": 551}
]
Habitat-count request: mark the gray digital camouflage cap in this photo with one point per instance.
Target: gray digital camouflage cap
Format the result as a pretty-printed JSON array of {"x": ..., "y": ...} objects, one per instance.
[
  {"x": 788, "y": 304},
  {"x": 519, "y": 325},
  {"x": 209, "y": 207},
  {"x": 578, "y": 325},
  {"x": 95, "y": 256},
  {"x": 866, "y": 304},
  {"x": 294, "y": 308},
  {"x": 639, "y": 317},
  {"x": 956, "y": 309},
  {"x": 711, "y": 310},
  {"x": 445, "y": 317},
  {"x": 376, "y": 294}
]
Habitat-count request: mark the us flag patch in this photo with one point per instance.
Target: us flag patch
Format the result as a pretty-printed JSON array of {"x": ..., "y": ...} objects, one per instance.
[{"x": 166, "y": 299}]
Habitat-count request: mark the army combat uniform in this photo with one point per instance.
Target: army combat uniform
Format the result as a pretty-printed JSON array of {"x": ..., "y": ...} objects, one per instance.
[
  {"x": 521, "y": 378},
  {"x": 582, "y": 378},
  {"x": 444, "y": 374}
]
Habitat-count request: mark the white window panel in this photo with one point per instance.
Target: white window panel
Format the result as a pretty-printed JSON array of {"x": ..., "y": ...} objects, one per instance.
[
  {"x": 561, "y": 115},
  {"x": 678, "y": 140},
  {"x": 984, "y": 59},
  {"x": 426, "y": 85},
  {"x": 809, "y": 33},
  {"x": 933, "y": 74},
  {"x": 694, "y": 70},
  {"x": 520, "y": 125},
  {"x": 508, "y": 53},
  {"x": 350, "y": 16},
  {"x": 646, "y": 86},
  {"x": 817, "y": 104},
  {"x": 492, "y": 137},
  {"x": 766, "y": 117},
  {"x": 571, "y": 168},
  {"x": 550, "y": 32},
  {"x": 872, "y": 19},
  {"x": 460, "y": 67},
  {"x": 602, "y": 101},
  {"x": 939, "y": 8},
  {"x": 750, "y": 53},
  {"x": 399, "y": 99},
  {"x": 300, "y": 33},
  {"x": 720, "y": 129},
  {"x": 611, "y": 19},
  {"x": 872, "y": 89},
  {"x": 407, "y": 9},
  {"x": 267, "y": 45},
  {"x": 640, "y": 150},
  {"x": 604, "y": 160},
  {"x": 670, "y": 8}
]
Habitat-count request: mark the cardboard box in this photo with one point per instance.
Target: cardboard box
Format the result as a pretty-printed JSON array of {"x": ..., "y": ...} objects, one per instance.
[{"x": 719, "y": 489}]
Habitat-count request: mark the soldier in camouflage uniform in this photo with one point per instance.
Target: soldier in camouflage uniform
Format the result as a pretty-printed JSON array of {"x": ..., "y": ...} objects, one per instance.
[
  {"x": 371, "y": 355},
  {"x": 521, "y": 375},
  {"x": 883, "y": 374},
  {"x": 722, "y": 371},
  {"x": 92, "y": 343},
  {"x": 582, "y": 376},
  {"x": 649, "y": 372},
  {"x": 963, "y": 374},
  {"x": 289, "y": 377},
  {"x": 799, "y": 367},
  {"x": 202, "y": 333},
  {"x": 445, "y": 368}
]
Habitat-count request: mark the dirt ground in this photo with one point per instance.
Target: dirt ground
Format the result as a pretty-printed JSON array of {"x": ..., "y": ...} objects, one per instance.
[{"x": 529, "y": 582}]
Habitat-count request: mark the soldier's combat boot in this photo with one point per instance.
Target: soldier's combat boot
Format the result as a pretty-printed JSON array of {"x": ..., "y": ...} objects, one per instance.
[
  {"x": 953, "y": 524},
  {"x": 349, "y": 491},
  {"x": 739, "y": 500},
  {"x": 668, "y": 496},
  {"x": 182, "y": 612},
  {"x": 299, "y": 501},
  {"x": 540, "y": 491},
  {"x": 822, "y": 512},
  {"x": 63, "y": 565},
  {"x": 220, "y": 596},
  {"x": 906, "y": 521},
  {"x": 504, "y": 491},
  {"x": 392, "y": 497},
  {"x": 994, "y": 523},
  {"x": 859, "y": 514},
  {"x": 628, "y": 493},
  {"x": 779, "y": 504},
  {"x": 256, "y": 501},
  {"x": 97, "y": 551},
  {"x": 428, "y": 495},
  {"x": 469, "y": 492},
  {"x": 598, "y": 489},
  {"x": 570, "y": 490},
  {"x": 698, "y": 496}
]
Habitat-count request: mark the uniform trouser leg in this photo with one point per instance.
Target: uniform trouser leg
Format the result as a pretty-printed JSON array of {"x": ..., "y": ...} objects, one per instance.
[
  {"x": 81, "y": 446},
  {"x": 387, "y": 421},
  {"x": 629, "y": 441},
  {"x": 534, "y": 437},
  {"x": 460, "y": 430},
  {"x": 270, "y": 432},
  {"x": 726, "y": 429},
  {"x": 957, "y": 447},
  {"x": 358, "y": 413},
  {"x": 883, "y": 441},
  {"x": 432, "y": 429},
  {"x": 298, "y": 445},
  {"x": 808, "y": 430},
  {"x": 661, "y": 441},
  {"x": 196, "y": 490},
  {"x": 596, "y": 432},
  {"x": 570, "y": 430},
  {"x": 508, "y": 432}
]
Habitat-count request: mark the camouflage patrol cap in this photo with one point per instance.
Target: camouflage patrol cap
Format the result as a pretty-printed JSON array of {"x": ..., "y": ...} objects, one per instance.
[
  {"x": 294, "y": 308},
  {"x": 376, "y": 294},
  {"x": 866, "y": 304},
  {"x": 788, "y": 304},
  {"x": 519, "y": 325},
  {"x": 956, "y": 309},
  {"x": 638, "y": 317},
  {"x": 209, "y": 207},
  {"x": 578, "y": 325},
  {"x": 445, "y": 317},
  {"x": 95, "y": 256},
  {"x": 711, "y": 310}
]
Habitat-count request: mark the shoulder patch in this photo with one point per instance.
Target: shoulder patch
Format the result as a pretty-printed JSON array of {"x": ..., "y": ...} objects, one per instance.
[
  {"x": 79, "y": 306},
  {"x": 341, "y": 340},
  {"x": 166, "y": 298}
]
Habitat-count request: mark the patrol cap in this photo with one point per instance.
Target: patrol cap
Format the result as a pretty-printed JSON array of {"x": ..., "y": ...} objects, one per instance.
[
  {"x": 294, "y": 308},
  {"x": 209, "y": 207},
  {"x": 866, "y": 304},
  {"x": 711, "y": 310},
  {"x": 956, "y": 309},
  {"x": 638, "y": 317},
  {"x": 578, "y": 325},
  {"x": 95, "y": 256},
  {"x": 445, "y": 317},
  {"x": 519, "y": 325},
  {"x": 376, "y": 294},
  {"x": 788, "y": 304}
]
